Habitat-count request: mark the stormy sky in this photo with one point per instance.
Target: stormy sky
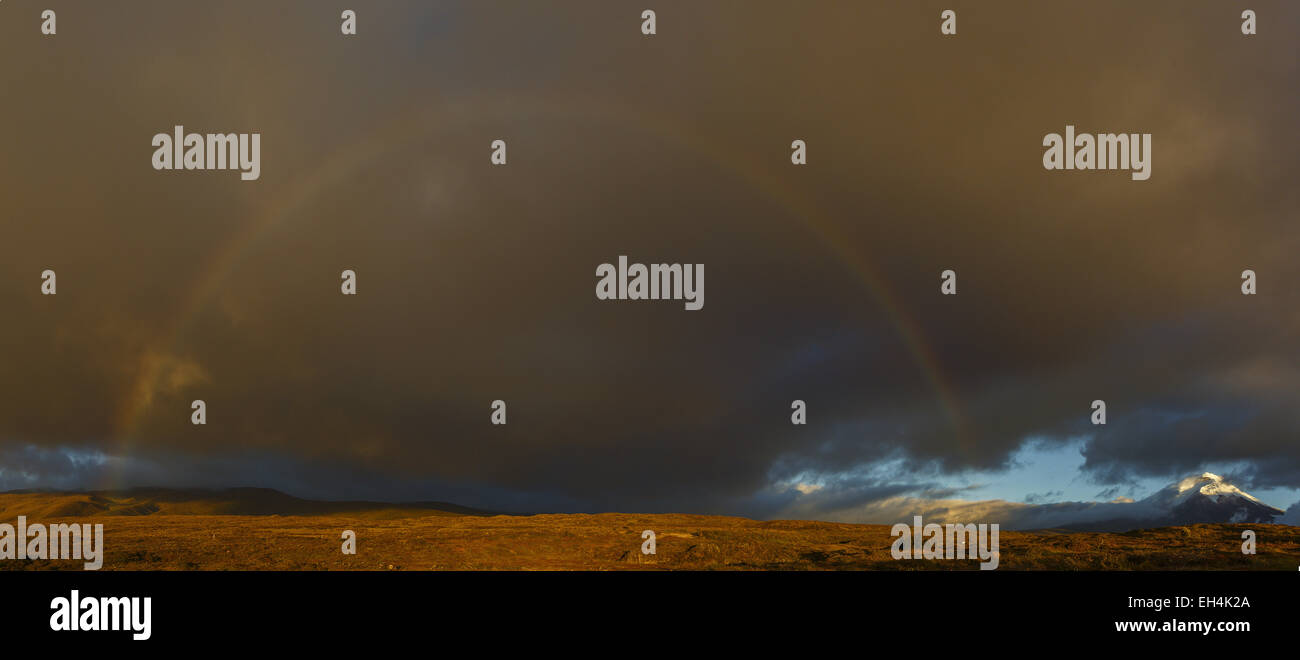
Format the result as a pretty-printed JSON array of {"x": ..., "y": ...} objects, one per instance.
[{"x": 476, "y": 282}]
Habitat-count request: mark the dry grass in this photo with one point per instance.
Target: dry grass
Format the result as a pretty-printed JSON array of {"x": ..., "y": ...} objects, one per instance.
[{"x": 388, "y": 541}]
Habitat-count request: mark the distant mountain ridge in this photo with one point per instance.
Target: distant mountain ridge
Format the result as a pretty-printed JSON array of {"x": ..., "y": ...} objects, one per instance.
[
  {"x": 1203, "y": 498},
  {"x": 1199, "y": 498},
  {"x": 208, "y": 502}
]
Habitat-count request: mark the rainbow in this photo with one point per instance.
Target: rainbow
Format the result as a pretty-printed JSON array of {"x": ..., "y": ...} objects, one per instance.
[{"x": 418, "y": 123}]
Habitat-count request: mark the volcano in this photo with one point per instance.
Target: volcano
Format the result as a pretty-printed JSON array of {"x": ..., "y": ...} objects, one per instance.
[
  {"x": 1208, "y": 498},
  {"x": 1202, "y": 498}
]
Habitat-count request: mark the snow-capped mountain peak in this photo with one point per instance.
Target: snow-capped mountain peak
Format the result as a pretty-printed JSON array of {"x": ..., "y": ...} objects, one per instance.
[
  {"x": 1189, "y": 483},
  {"x": 1210, "y": 484},
  {"x": 1208, "y": 498}
]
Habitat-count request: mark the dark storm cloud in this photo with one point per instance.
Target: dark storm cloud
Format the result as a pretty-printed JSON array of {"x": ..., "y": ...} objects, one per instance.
[{"x": 477, "y": 282}]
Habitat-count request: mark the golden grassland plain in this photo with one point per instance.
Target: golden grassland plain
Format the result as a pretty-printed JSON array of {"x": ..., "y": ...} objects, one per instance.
[{"x": 145, "y": 534}]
